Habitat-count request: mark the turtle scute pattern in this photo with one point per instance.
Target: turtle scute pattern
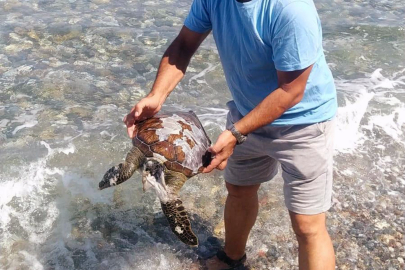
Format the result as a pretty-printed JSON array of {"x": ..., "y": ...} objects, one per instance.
[
  {"x": 149, "y": 142},
  {"x": 179, "y": 222}
]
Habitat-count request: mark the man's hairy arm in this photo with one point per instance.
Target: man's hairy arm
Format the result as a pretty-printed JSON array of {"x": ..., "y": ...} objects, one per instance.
[
  {"x": 171, "y": 70},
  {"x": 290, "y": 92}
]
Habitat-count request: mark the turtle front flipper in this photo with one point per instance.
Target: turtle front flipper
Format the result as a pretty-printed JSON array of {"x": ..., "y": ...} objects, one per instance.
[
  {"x": 119, "y": 174},
  {"x": 179, "y": 222}
]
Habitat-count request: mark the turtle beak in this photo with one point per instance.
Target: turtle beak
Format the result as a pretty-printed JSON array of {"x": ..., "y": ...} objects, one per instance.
[
  {"x": 103, "y": 184},
  {"x": 152, "y": 175},
  {"x": 148, "y": 180},
  {"x": 157, "y": 182}
]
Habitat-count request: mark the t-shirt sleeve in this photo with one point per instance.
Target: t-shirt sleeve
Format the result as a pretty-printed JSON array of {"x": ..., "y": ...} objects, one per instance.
[
  {"x": 297, "y": 37},
  {"x": 198, "y": 20}
]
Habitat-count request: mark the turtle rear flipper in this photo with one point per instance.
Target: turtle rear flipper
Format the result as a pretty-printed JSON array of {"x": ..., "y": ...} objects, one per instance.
[
  {"x": 119, "y": 174},
  {"x": 179, "y": 222},
  {"x": 174, "y": 209}
]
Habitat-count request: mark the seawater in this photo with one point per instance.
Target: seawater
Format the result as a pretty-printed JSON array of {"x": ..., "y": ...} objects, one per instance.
[{"x": 69, "y": 72}]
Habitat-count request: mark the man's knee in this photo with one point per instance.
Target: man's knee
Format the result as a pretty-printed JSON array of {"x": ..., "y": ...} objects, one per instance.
[
  {"x": 242, "y": 191},
  {"x": 308, "y": 226}
]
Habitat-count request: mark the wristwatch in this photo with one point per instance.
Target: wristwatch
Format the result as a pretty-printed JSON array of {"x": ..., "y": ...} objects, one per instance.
[{"x": 240, "y": 138}]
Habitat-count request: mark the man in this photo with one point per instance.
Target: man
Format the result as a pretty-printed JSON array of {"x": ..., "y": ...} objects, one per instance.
[{"x": 283, "y": 107}]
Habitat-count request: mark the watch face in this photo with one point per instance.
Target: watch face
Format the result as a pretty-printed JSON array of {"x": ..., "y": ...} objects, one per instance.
[{"x": 242, "y": 139}]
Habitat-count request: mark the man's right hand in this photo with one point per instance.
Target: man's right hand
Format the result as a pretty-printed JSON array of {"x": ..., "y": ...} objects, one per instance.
[{"x": 144, "y": 109}]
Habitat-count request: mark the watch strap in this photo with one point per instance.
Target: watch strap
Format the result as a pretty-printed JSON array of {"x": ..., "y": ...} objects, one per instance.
[{"x": 240, "y": 138}]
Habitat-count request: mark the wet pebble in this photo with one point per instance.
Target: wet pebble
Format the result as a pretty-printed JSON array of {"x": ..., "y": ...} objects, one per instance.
[{"x": 129, "y": 236}]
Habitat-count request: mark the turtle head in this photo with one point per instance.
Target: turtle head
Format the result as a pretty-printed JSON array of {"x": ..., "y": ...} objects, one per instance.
[
  {"x": 112, "y": 177},
  {"x": 153, "y": 175}
]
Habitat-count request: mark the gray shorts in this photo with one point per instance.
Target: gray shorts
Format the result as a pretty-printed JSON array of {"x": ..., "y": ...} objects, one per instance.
[{"x": 305, "y": 153}]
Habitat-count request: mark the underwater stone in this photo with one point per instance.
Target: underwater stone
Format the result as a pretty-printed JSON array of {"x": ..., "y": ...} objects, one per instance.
[
  {"x": 130, "y": 236},
  {"x": 15, "y": 48}
]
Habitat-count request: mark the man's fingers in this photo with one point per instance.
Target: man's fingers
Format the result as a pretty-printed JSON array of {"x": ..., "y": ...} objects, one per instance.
[
  {"x": 144, "y": 109},
  {"x": 214, "y": 164},
  {"x": 129, "y": 120},
  {"x": 131, "y": 131},
  {"x": 133, "y": 115},
  {"x": 214, "y": 149},
  {"x": 222, "y": 165},
  {"x": 138, "y": 110}
]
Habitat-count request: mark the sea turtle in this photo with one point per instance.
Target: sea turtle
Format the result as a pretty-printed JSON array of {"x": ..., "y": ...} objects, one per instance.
[{"x": 169, "y": 148}]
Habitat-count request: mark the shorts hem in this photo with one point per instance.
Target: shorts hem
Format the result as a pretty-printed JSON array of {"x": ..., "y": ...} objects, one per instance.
[
  {"x": 247, "y": 182},
  {"x": 313, "y": 211}
]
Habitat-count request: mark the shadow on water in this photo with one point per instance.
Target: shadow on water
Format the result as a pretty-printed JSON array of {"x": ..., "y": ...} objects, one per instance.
[
  {"x": 124, "y": 234},
  {"x": 155, "y": 229}
]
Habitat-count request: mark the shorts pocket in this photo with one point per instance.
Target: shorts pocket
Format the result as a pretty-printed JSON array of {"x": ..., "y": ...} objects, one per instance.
[
  {"x": 233, "y": 115},
  {"x": 321, "y": 127}
]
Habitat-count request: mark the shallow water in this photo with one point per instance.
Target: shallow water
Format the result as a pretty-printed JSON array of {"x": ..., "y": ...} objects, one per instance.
[{"x": 70, "y": 70}]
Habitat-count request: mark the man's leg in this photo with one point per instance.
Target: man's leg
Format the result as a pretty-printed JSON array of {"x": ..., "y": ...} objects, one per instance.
[
  {"x": 306, "y": 156},
  {"x": 240, "y": 215},
  {"x": 315, "y": 246}
]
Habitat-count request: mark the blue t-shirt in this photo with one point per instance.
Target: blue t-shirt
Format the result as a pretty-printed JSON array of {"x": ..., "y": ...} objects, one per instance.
[{"x": 259, "y": 37}]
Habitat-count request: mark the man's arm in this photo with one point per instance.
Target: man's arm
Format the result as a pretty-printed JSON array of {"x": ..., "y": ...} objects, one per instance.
[
  {"x": 175, "y": 61},
  {"x": 171, "y": 70},
  {"x": 290, "y": 92}
]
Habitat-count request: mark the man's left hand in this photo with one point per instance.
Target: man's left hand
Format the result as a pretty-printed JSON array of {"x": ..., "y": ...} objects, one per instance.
[{"x": 222, "y": 150}]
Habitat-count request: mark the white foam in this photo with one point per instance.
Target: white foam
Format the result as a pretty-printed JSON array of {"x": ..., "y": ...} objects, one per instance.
[
  {"x": 214, "y": 119},
  {"x": 76, "y": 184},
  {"x": 108, "y": 107},
  {"x": 392, "y": 123},
  {"x": 28, "y": 118},
  {"x": 348, "y": 136},
  {"x": 28, "y": 124},
  {"x": 380, "y": 81},
  {"x": 3, "y": 123},
  {"x": 196, "y": 77},
  {"x": 70, "y": 149},
  {"x": 31, "y": 189},
  {"x": 106, "y": 134},
  {"x": 357, "y": 96}
]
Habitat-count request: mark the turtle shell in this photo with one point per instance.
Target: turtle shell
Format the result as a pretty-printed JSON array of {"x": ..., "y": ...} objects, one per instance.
[{"x": 178, "y": 139}]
